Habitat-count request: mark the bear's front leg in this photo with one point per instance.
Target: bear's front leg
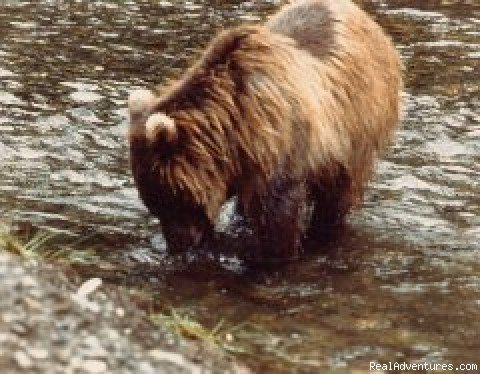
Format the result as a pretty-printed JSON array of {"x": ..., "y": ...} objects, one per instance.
[
  {"x": 279, "y": 217},
  {"x": 333, "y": 199}
]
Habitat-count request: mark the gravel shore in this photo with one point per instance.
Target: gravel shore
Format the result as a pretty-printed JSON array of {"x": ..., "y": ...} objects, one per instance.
[{"x": 49, "y": 326}]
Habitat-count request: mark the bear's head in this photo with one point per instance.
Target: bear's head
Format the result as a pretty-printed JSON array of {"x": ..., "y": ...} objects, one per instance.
[{"x": 178, "y": 170}]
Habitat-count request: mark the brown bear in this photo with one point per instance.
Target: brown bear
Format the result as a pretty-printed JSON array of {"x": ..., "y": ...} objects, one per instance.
[{"x": 287, "y": 116}]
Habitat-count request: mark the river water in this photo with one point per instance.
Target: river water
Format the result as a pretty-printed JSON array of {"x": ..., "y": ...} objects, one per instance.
[{"x": 402, "y": 283}]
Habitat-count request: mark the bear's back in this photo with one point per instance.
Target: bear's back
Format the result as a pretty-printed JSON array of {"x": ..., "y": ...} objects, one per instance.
[
  {"x": 318, "y": 25},
  {"x": 310, "y": 23},
  {"x": 352, "y": 88}
]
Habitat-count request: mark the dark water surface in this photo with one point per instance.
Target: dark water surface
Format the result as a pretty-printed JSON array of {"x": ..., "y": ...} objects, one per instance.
[{"x": 401, "y": 284}]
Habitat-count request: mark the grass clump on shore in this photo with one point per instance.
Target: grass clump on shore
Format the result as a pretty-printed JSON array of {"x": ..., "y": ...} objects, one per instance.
[
  {"x": 24, "y": 248},
  {"x": 41, "y": 245},
  {"x": 184, "y": 327},
  {"x": 245, "y": 338}
]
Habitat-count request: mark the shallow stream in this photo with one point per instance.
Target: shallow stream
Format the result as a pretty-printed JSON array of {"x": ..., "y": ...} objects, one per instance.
[{"x": 403, "y": 281}]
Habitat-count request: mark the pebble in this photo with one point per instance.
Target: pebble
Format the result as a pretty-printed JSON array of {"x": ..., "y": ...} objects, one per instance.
[
  {"x": 62, "y": 355},
  {"x": 32, "y": 303},
  {"x": 111, "y": 335},
  {"x": 174, "y": 358},
  {"x": 96, "y": 352},
  {"x": 38, "y": 353},
  {"x": 92, "y": 341},
  {"x": 120, "y": 312},
  {"x": 94, "y": 366},
  {"x": 19, "y": 328},
  {"x": 145, "y": 367},
  {"x": 28, "y": 281},
  {"x": 23, "y": 360},
  {"x": 8, "y": 318},
  {"x": 5, "y": 337},
  {"x": 88, "y": 287},
  {"x": 160, "y": 355}
]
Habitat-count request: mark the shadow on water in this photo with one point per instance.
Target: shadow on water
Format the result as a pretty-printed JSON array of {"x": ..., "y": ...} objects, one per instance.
[{"x": 400, "y": 284}]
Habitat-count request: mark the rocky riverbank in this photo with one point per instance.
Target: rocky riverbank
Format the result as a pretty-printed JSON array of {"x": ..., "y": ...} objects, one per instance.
[{"x": 49, "y": 325}]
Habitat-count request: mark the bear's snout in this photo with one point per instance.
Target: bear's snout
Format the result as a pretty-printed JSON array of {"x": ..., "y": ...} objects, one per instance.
[{"x": 181, "y": 238}]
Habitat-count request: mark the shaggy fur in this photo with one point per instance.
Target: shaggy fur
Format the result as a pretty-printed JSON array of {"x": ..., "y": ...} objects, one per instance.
[{"x": 288, "y": 116}]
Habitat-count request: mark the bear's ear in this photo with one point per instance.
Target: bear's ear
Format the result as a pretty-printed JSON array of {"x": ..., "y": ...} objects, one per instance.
[
  {"x": 140, "y": 105},
  {"x": 161, "y": 129}
]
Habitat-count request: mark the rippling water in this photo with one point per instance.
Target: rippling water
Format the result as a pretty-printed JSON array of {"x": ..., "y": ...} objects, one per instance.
[{"x": 401, "y": 284}]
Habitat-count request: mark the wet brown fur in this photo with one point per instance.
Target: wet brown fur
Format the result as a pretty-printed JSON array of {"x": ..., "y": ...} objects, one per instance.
[{"x": 288, "y": 116}]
